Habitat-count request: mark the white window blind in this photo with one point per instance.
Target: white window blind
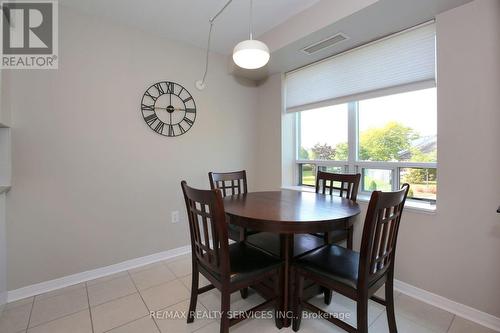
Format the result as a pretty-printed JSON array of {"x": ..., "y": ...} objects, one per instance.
[{"x": 401, "y": 62}]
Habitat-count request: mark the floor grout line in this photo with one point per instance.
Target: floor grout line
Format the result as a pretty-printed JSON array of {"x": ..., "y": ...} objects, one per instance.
[
  {"x": 70, "y": 314},
  {"x": 111, "y": 300},
  {"x": 61, "y": 317},
  {"x": 178, "y": 258},
  {"x": 107, "y": 276},
  {"x": 31, "y": 311},
  {"x": 166, "y": 265},
  {"x": 169, "y": 306},
  {"x": 157, "y": 285},
  {"x": 384, "y": 311},
  {"x": 144, "y": 268},
  {"x": 125, "y": 324},
  {"x": 416, "y": 322},
  {"x": 377, "y": 318},
  {"x": 451, "y": 323},
  {"x": 197, "y": 303},
  {"x": 114, "y": 299},
  {"x": 411, "y": 319},
  {"x": 174, "y": 304},
  {"x": 90, "y": 310},
  {"x": 67, "y": 291},
  {"x": 140, "y": 295}
]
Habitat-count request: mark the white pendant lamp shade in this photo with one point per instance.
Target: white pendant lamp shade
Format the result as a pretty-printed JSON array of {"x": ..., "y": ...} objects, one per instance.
[
  {"x": 251, "y": 54},
  {"x": 248, "y": 54}
]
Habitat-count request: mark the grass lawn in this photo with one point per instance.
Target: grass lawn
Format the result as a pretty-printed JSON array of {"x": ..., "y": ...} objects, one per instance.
[
  {"x": 308, "y": 178},
  {"x": 420, "y": 191}
]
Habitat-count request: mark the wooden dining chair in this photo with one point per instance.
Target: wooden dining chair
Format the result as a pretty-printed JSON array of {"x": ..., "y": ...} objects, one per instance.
[
  {"x": 357, "y": 275},
  {"x": 346, "y": 185},
  {"x": 229, "y": 268},
  {"x": 231, "y": 183}
]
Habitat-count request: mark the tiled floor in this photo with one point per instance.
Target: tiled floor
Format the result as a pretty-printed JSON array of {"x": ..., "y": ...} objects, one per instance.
[{"x": 121, "y": 303}]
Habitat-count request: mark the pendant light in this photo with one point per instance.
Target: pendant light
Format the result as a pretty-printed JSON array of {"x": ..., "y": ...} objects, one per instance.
[{"x": 251, "y": 53}]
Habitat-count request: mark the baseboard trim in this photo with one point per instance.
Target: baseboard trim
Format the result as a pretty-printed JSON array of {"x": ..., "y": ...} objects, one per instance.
[
  {"x": 441, "y": 302},
  {"x": 446, "y": 304},
  {"x": 65, "y": 281},
  {"x": 3, "y": 301}
]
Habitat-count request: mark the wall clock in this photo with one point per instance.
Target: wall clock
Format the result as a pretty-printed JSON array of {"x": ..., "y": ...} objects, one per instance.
[{"x": 168, "y": 108}]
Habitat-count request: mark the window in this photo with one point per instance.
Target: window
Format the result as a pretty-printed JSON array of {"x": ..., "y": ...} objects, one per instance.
[
  {"x": 322, "y": 132},
  {"x": 398, "y": 127},
  {"x": 307, "y": 172},
  {"x": 372, "y": 110},
  {"x": 376, "y": 180},
  {"x": 390, "y": 140}
]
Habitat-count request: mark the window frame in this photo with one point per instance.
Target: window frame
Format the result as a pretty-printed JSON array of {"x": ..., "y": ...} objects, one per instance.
[{"x": 353, "y": 164}]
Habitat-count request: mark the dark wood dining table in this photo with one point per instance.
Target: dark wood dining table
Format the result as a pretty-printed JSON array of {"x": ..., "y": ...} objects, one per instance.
[{"x": 289, "y": 212}]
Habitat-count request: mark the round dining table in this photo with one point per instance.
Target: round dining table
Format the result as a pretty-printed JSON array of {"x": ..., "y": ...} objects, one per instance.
[{"x": 289, "y": 212}]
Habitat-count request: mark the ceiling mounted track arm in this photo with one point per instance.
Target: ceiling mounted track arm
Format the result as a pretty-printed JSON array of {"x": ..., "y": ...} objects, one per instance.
[
  {"x": 220, "y": 11},
  {"x": 200, "y": 84}
]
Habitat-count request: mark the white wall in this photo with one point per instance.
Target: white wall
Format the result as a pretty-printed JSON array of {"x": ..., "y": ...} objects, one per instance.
[
  {"x": 268, "y": 140},
  {"x": 453, "y": 253},
  {"x": 4, "y": 112},
  {"x": 3, "y": 255},
  {"x": 5, "y": 169},
  {"x": 92, "y": 185},
  {"x": 466, "y": 230}
]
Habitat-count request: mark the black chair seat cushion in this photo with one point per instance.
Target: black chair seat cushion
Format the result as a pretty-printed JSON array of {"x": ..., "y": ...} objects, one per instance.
[
  {"x": 247, "y": 261},
  {"x": 270, "y": 242},
  {"x": 335, "y": 235},
  {"x": 332, "y": 262},
  {"x": 234, "y": 232}
]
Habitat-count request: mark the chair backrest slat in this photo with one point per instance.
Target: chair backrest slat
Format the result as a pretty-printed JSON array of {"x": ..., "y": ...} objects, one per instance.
[
  {"x": 207, "y": 228},
  {"x": 349, "y": 184},
  {"x": 231, "y": 183},
  {"x": 378, "y": 244}
]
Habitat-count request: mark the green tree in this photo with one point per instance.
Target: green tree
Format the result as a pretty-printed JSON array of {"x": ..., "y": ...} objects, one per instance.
[
  {"x": 323, "y": 152},
  {"x": 303, "y": 154},
  {"x": 384, "y": 144},
  {"x": 341, "y": 151},
  {"x": 418, "y": 156},
  {"x": 372, "y": 186},
  {"x": 421, "y": 175}
]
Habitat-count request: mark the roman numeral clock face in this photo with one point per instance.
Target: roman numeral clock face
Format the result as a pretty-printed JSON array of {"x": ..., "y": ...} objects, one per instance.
[{"x": 168, "y": 108}]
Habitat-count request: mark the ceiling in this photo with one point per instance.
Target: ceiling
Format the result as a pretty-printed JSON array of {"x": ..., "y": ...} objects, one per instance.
[
  {"x": 286, "y": 25},
  {"x": 187, "y": 20},
  {"x": 375, "y": 21}
]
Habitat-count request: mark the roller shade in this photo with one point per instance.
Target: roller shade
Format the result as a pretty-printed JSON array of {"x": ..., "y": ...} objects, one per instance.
[{"x": 401, "y": 62}]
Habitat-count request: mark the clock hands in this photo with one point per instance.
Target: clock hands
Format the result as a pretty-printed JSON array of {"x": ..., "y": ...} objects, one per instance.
[{"x": 167, "y": 108}]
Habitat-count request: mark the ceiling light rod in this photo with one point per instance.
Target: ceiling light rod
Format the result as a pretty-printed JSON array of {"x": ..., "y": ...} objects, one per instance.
[
  {"x": 251, "y": 53},
  {"x": 250, "y": 25},
  {"x": 200, "y": 84}
]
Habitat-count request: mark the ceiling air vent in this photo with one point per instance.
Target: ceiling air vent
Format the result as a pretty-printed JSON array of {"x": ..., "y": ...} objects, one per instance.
[{"x": 325, "y": 43}]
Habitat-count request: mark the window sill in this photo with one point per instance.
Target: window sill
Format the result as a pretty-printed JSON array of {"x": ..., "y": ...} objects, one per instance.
[
  {"x": 4, "y": 189},
  {"x": 410, "y": 205}
]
